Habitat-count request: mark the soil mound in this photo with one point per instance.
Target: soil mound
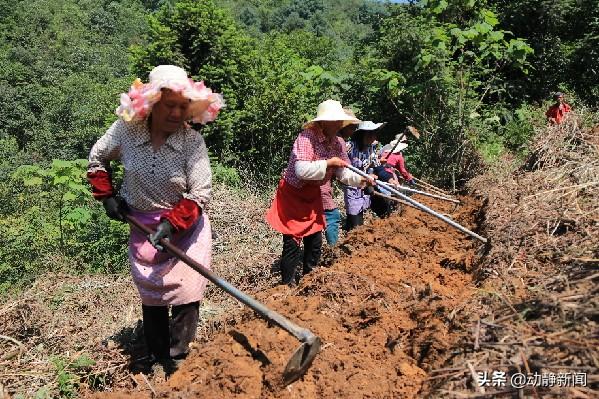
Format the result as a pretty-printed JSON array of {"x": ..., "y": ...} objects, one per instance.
[{"x": 387, "y": 311}]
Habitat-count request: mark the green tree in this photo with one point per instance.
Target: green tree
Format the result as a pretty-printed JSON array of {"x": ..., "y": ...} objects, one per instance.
[
  {"x": 62, "y": 182},
  {"x": 267, "y": 83},
  {"x": 56, "y": 55},
  {"x": 564, "y": 36},
  {"x": 442, "y": 75},
  {"x": 204, "y": 40}
]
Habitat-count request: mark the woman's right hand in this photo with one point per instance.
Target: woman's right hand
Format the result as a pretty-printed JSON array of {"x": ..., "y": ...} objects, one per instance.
[
  {"x": 116, "y": 208},
  {"x": 368, "y": 181},
  {"x": 336, "y": 162}
]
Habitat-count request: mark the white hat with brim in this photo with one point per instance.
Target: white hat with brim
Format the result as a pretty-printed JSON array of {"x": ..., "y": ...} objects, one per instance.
[
  {"x": 202, "y": 98},
  {"x": 369, "y": 125},
  {"x": 400, "y": 147},
  {"x": 331, "y": 110}
]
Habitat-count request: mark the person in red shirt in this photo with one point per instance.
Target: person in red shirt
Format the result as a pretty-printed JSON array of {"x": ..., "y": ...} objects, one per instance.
[
  {"x": 395, "y": 160},
  {"x": 556, "y": 113}
]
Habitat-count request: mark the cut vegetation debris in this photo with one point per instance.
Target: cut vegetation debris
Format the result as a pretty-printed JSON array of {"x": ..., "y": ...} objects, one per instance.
[{"x": 539, "y": 303}]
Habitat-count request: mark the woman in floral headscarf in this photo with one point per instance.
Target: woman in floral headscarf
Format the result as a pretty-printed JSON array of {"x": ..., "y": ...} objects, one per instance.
[{"x": 166, "y": 185}]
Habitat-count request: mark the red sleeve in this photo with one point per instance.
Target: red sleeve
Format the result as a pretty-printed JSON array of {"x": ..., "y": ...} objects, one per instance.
[
  {"x": 393, "y": 159},
  {"x": 567, "y": 108},
  {"x": 401, "y": 165},
  {"x": 101, "y": 184},
  {"x": 550, "y": 112},
  {"x": 183, "y": 215}
]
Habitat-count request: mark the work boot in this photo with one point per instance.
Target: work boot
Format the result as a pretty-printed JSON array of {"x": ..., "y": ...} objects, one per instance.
[
  {"x": 162, "y": 369},
  {"x": 142, "y": 365},
  {"x": 156, "y": 330},
  {"x": 169, "y": 366},
  {"x": 289, "y": 260},
  {"x": 184, "y": 324}
]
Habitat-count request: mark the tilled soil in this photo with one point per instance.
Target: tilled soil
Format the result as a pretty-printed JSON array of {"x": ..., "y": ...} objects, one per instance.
[{"x": 391, "y": 307}]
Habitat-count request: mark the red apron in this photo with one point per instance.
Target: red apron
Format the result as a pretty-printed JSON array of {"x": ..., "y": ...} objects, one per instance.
[{"x": 296, "y": 211}]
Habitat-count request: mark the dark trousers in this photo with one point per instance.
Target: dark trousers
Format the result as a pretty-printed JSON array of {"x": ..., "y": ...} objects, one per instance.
[
  {"x": 290, "y": 258},
  {"x": 354, "y": 221},
  {"x": 380, "y": 206},
  {"x": 170, "y": 338}
]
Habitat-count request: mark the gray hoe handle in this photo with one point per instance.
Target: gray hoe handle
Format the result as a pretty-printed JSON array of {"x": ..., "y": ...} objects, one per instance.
[
  {"x": 303, "y": 356},
  {"x": 420, "y": 206}
]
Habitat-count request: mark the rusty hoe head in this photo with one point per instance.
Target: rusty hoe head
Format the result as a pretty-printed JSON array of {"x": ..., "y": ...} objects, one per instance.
[{"x": 413, "y": 131}]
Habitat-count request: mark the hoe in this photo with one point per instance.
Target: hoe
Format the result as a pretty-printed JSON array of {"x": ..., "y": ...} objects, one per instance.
[
  {"x": 420, "y": 206},
  {"x": 303, "y": 356}
]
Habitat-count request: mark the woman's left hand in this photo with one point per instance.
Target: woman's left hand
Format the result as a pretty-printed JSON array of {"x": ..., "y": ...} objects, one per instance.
[{"x": 164, "y": 230}]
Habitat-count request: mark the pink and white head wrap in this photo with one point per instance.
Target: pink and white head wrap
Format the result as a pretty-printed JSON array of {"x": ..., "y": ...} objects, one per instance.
[{"x": 138, "y": 102}]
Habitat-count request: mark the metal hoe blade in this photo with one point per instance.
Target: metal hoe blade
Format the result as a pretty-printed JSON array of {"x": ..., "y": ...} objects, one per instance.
[{"x": 301, "y": 360}]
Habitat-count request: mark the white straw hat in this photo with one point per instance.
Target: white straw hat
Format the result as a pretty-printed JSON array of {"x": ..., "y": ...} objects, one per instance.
[
  {"x": 400, "y": 147},
  {"x": 138, "y": 102},
  {"x": 166, "y": 75},
  {"x": 369, "y": 125},
  {"x": 331, "y": 110}
]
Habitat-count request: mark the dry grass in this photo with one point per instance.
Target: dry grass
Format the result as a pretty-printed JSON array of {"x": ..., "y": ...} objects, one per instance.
[{"x": 538, "y": 295}]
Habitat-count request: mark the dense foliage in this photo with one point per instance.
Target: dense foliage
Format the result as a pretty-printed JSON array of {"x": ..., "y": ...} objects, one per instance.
[
  {"x": 62, "y": 64},
  {"x": 447, "y": 81},
  {"x": 565, "y": 38},
  {"x": 472, "y": 75}
]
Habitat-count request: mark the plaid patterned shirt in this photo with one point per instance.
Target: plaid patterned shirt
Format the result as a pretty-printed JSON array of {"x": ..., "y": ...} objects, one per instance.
[
  {"x": 326, "y": 193},
  {"x": 365, "y": 159},
  {"x": 313, "y": 145}
]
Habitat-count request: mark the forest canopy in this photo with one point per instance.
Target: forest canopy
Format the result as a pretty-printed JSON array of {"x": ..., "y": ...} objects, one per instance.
[{"x": 472, "y": 75}]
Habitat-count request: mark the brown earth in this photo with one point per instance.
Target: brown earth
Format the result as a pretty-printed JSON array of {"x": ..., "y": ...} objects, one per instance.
[{"x": 388, "y": 309}]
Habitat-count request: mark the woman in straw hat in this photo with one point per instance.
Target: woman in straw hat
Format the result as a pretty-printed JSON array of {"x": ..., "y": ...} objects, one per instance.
[
  {"x": 297, "y": 209},
  {"x": 393, "y": 158},
  {"x": 364, "y": 152},
  {"x": 166, "y": 185}
]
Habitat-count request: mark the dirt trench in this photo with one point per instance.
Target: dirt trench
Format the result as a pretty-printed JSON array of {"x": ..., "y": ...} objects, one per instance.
[{"x": 392, "y": 306}]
